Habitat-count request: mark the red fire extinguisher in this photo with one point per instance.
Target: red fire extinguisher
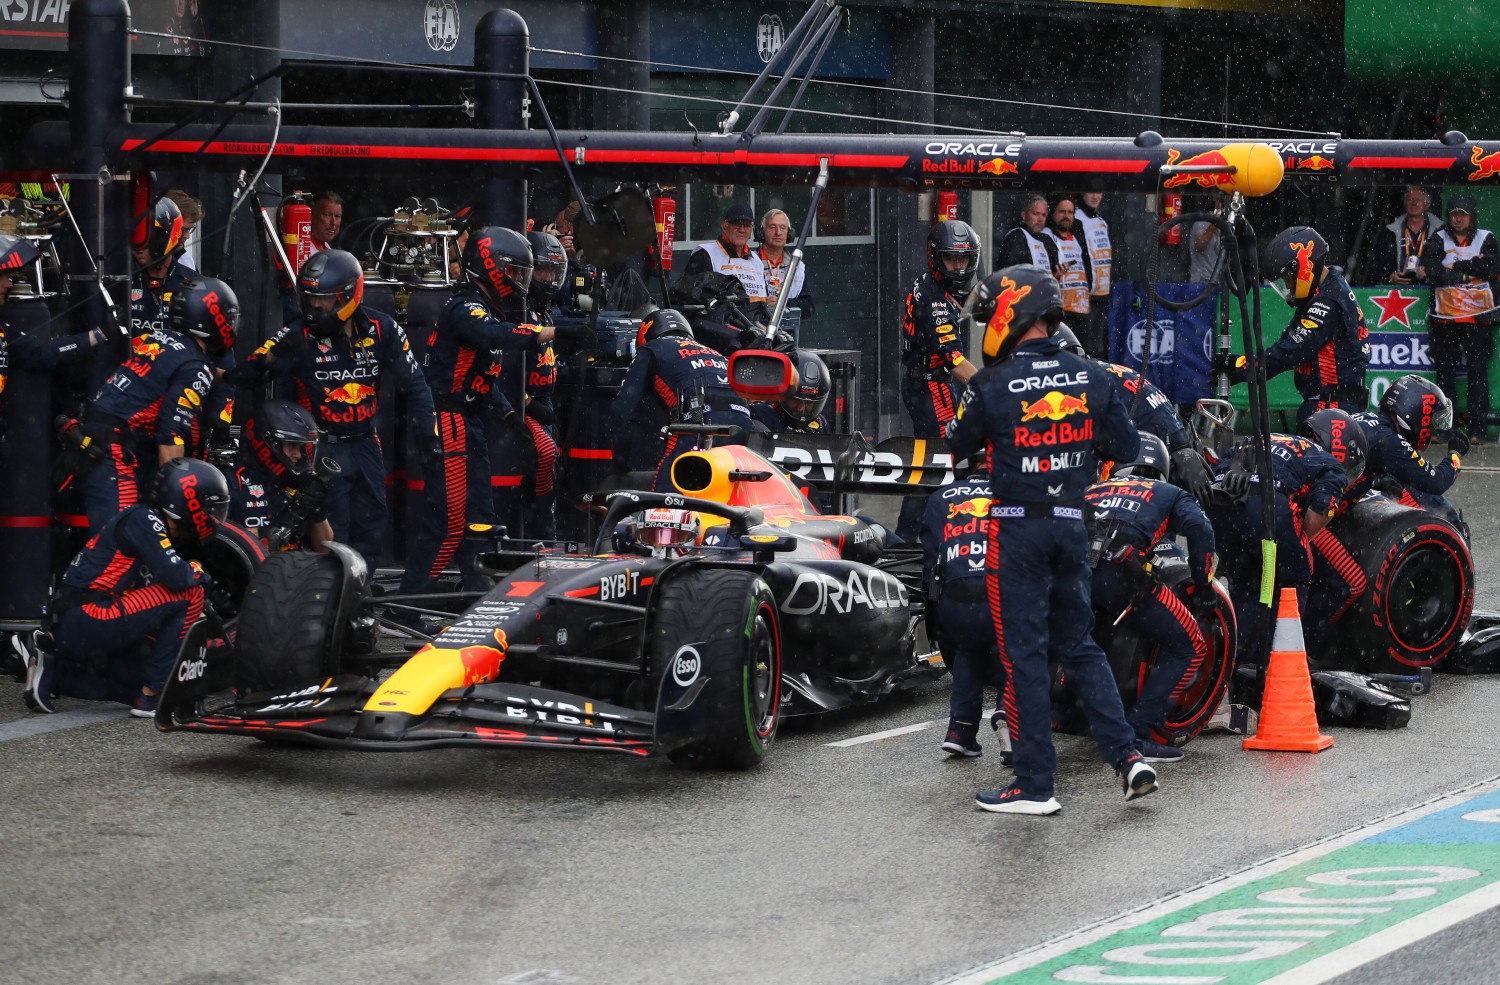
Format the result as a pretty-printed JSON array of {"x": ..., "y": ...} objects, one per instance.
[
  {"x": 296, "y": 228},
  {"x": 665, "y": 210},
  {"x": 1171, "y": 207},
  {"x": 947, "y": 207}
]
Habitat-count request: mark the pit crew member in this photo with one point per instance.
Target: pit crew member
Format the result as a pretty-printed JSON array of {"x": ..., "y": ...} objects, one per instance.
[
  {"x": 1413, "y": 413},
  {"x": 279, "y": 468}
]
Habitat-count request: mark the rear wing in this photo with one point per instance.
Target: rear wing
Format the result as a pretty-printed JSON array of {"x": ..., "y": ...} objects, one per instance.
[{"x": 849, "y": 463}]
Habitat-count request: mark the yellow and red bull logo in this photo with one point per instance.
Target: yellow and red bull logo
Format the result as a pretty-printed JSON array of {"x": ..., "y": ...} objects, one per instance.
[
  {"x": 998, "y": 329},
  {"x": 481, "y": 663},
  {"x": 349, "y": 393},
  {"x": 999, "y": 165},
  {"x": 1315, "y": 163},
  {"x": 1485, "y": 165},
  {"x": 141, "y": 347},
  {"x": 1304, "y": 284},
  {"x": 1254, "y": 169},
  {"x": 978, "y": 507},
  {"x": 1054, "y": 405}
]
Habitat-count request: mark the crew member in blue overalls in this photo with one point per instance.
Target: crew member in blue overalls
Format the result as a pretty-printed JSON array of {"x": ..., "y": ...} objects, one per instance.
[
  {"x": 1045, "y": 417},
  {"x": 1413, "y": 414},
  {"x": 334, "y": 356},
  {"x": 278, "y": 467},
  {"x": 1132, "y": 511}
]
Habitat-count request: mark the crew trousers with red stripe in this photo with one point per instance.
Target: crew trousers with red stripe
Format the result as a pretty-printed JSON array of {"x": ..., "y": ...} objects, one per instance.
[
  {"x": 1038, "y": 583},
  {"x": 456, "y": 485},
  {"x": 99, "y": 647},
  {"x": 1163, "y": 619},
  {"x": 1338, "y": 583},
  {"x": 931, "y": 404},
  {"x": 525, "y": 481},
  {"x": 113, "y": 484}
]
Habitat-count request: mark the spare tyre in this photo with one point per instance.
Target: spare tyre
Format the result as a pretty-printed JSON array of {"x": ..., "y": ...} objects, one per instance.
[{"x": 1421, "y": 589}]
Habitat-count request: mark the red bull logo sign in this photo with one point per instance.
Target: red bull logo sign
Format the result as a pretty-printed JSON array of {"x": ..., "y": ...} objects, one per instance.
[
  {"x": 349, "y": 393},
  {"x": 141, "y": 347},
  {"x": 1054, "y": 405},
  {"x": 482, "y": 663},
  {"x": 978, "y": 507},
  {"x": 1211, "y": 158},
  {"x": 1485, "y": 165},
  {"x": 999, "y": 166}
]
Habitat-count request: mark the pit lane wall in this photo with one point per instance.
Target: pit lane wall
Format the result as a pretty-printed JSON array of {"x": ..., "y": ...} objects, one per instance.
[{"x": 1182, "y": 343}]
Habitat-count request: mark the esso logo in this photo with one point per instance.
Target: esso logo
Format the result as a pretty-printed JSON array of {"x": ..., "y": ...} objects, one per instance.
[
  {"x": 1163, "y": 342},
  {"x": 440, "y": 24},
  {"x": 687, "y": 666}
]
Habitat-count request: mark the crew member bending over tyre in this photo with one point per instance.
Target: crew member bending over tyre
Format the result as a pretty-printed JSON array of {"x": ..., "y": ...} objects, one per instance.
[
  {"x": 132, "y": 584},
  {"x": 1043, "y": 414}
]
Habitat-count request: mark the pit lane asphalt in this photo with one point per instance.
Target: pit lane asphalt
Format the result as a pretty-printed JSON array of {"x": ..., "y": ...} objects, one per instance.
[{"x": 128, "y": 856}]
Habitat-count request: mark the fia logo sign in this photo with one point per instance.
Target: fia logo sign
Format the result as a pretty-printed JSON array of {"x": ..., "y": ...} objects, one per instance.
[
  {"x": 440, "y": 22},
  {"x": 1163, "y": 342},
  {"x": 768, "y": 36}
]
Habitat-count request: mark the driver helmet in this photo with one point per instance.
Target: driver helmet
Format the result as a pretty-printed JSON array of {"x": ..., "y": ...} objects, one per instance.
[
  {"x": 805, "y": 401},
  {"x": 284, "y": 440},
  {"x": 330, "y": 273},
  {"x": 1418, "y": 409},
  {"x": 1338, "y": 434},
  {"x": 194, "y": 494},
  {"x": 667, "y": 532}
]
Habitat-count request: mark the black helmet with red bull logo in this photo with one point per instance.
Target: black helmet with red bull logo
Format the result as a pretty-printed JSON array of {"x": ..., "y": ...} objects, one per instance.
[
  {"x": 498, "y": 262},
  {"x": 164, "y": 232},
  {"x": 1418, "y": 409},
  {"x": 805, "y": 401},
  {"x": 1008, "y": 302},
  {"x": 661, "y": 323},
  {"x": 1338, "y": 434},
  {"x": 1151, "y": 462},
  {"x": 330, "y": 287},
  {"x": 206, "y": 308},
  {"x": 284, "y": 440},
  {"x": 549, "y": 267},
  {"x": 194, "y": 494},
  {"x": 1294, "y": 263},
  {"x": 954, "y": 240}
]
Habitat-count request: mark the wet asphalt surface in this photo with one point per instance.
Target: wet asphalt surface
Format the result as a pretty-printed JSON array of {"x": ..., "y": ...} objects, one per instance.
[{"x": 130, "y": 856}]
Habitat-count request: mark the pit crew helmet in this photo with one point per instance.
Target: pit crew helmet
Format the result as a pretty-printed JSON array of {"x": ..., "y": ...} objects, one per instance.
[
  {"x": 661, "y": 323},
  {"x": 498, "y": 262},
  {"x": 1294, "y": 263},
  {"x": 279, "y": 427},
  {"x": 1418, "y": 409},
  {"x": 206, "y": 308},
  {"x": 1151, "y": 462},
  {"x": 1008, "y": 302},
  {"x": 330, "y": 273},
  {"x": 16, "y": 255},
  {"x": 667, "y": 532},
  {"x": 549, "y": 267},
  {"x": 805, "y": 401},
  {"x": 1338, "y": 434},
  {"x": 164, "y": 232},
  {"x": 192, "y": 493},
  {"x": 953, "y": 239},
  {"x": 1069, "y": 341}
]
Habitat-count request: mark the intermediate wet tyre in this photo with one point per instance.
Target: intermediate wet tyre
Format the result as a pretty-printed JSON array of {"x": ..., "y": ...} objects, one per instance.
[
  {"x": 286, "y": 622},
  {"x": 715, "y": 647}
]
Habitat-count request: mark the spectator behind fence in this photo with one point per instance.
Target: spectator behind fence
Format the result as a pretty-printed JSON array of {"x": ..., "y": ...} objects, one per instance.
[
  {"x": 1462, "y": 262},
  {"x": 1206, "y": 251},
  {"x": 1396, "y": 256},
  {"x": 1095, "y": 232},
  {"x": 775, "y": 229}
]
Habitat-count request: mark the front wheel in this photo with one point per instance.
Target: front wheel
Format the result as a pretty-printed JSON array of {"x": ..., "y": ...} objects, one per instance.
[
  {"x": 715, "y": 648},
  {"x": 286, "y": 623}
]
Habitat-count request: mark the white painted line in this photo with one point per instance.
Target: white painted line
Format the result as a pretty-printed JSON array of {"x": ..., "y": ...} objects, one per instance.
[
  {"x": 1084, "y": 936},
  {"x": 889, "y": 733},
  {"x": 1393, "y": 938},
  {"x": 25, "y": 728},
  {"x": 334, "y": 922}
]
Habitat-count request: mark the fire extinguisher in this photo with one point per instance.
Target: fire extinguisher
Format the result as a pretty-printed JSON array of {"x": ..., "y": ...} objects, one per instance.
[
  {"x": 947, "y": 207},
  {"x": 665, "y": 211},
  {"x": 1171, "y": 207},
  {"x": 296, "y": 228}
]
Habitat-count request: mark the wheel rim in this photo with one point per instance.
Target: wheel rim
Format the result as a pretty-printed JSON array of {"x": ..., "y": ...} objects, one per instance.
[
  {"x": 763, "y": 694},
  {"x": 1425, "y": 597},
  {"x": 1197, "y": 695}
]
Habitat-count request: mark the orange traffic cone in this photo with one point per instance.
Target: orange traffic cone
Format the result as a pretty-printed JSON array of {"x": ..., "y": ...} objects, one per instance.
[{"x": 1288, "y": 719}]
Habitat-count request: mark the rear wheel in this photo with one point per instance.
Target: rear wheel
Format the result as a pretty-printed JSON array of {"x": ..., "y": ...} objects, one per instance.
[
  {"x": 286, "y": 622},
  {"x": 715, "y": 653}
]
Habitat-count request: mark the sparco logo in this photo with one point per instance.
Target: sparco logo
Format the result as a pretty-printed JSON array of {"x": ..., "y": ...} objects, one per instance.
[
  {"x": 686, "y": 666},
  {"x": 1163, "y": 342},
  {"x": 768, "y": 36},
  {"x": 440, "y": 22}
]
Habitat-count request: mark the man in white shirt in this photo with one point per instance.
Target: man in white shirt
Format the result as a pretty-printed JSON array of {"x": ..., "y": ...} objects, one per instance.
[{"x": 775, "y": 229}]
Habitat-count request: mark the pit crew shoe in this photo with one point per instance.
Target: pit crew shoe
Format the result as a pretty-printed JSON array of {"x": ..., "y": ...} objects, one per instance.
[
  {"x": 1012, "y": 800},
  {"x": 41, "y": 677},
  {"x": 1137, "y": 778},
  {"x": 1002, "y": 732},
  {"x": 1155, "y": 752},
  {"x": 962, "y": 740},
  {"x": 145, "y": 705}
]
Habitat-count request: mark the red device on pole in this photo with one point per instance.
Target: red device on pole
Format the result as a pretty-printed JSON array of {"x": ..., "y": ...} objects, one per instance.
[
  {"x": 947, "y": 207},
  {"x": 296, "y": 229},
  {"x": 665, "y": 210},
  {"x": 1171, "y": 207}
]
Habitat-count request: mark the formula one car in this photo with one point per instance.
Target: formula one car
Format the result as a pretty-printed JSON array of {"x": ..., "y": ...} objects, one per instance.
[{"x": 696, "y": 655}]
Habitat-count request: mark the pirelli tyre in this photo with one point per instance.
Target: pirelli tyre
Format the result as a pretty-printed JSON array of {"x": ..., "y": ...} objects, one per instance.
[
  {"x": 715, "y": 647},
  {"x": 286, "y": 622},
  {"x": 1420, "y": 593},
  {"x": 1195, "y": 699}
]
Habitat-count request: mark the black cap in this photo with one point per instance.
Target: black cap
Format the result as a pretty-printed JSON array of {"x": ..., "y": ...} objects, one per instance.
[
  {"x": 739, "y": 212},
  {"x": 1462, "y": 203}
]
